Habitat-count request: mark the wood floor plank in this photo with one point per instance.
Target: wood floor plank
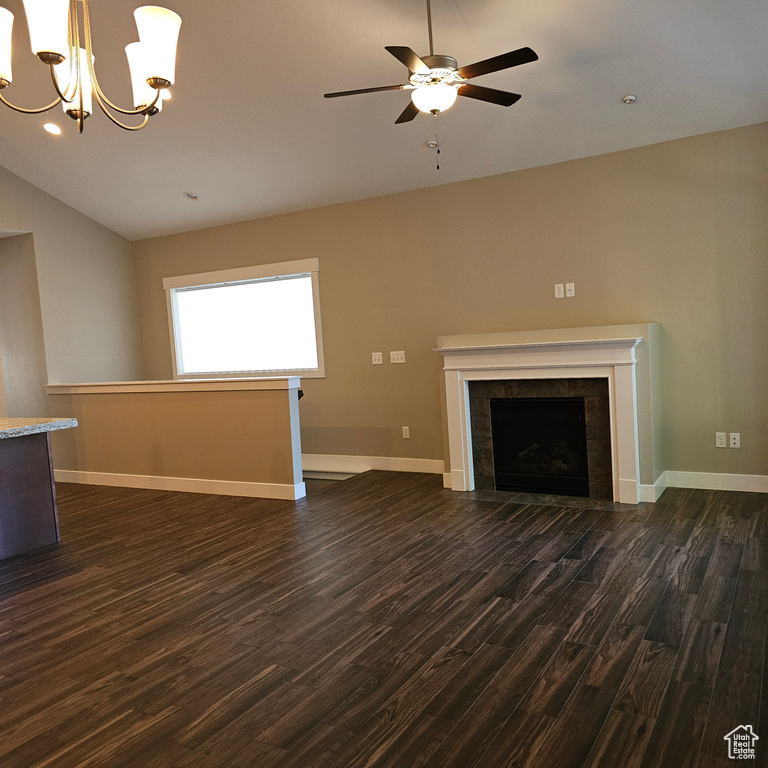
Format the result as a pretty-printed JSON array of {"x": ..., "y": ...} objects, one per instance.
[
  {"x": 685, "y": 706},
  {"x": 519, "y": 740},
  {"x": 622, "y": 741},
  {"x": 458, "y": 695},
  {"x": 614, "y": 656},
  {"x": 700, "y": 653},
  {"x": 385, "y": 621},
  {"x": 737, "y": 694},
  {"x": 570, "y": 738},
  {"x": 557, "y": 680},
  {"x": 672, "y": 615},
  {"x": 645, "y": 684}
]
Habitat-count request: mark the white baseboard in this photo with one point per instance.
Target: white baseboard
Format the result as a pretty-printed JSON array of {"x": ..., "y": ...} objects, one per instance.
[
  {"x": 447, "y": 480},
  {"x": 310, "y": 475},
  {"x": 334, "y": 467},
  {"x": 653, "y": 492},
  {"x": 187, "y": 484},
  {"x": 715, "y": 481}
]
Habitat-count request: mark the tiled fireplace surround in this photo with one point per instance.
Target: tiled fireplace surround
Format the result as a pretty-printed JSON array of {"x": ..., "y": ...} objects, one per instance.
[
  {"x": 598, "y": 423},
  {"x": 493, "y": 359}
]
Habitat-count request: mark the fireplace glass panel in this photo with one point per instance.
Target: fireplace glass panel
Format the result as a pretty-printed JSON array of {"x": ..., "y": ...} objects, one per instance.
[{"x": 540, "y": 445}]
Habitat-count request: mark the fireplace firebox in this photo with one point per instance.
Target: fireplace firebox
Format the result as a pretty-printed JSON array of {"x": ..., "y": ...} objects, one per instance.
[{"x": 540, "y": 445}]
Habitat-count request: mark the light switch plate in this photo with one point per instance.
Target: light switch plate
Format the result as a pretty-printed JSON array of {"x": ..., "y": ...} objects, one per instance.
[
  {"x": 559, "y": 291},
  {"x": 377, "y": 358},
  {"x": 397, "y": 357},
  {"x": 570, "y": 289}
]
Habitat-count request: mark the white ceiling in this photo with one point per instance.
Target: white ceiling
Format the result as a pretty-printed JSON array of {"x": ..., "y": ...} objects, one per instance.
[{"x": 249, "y": 131}]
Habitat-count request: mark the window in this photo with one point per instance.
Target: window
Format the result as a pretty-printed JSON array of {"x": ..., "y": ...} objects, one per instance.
[{"x": 261, "y": 320}]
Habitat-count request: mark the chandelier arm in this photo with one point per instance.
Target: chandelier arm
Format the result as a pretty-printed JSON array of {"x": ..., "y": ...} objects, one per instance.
[
  {"x": 100, "y": 95},
  {"x": 29, "y": 111},
  {"x": 63, "y": 96},
  {"x": 118, "y": 123}
]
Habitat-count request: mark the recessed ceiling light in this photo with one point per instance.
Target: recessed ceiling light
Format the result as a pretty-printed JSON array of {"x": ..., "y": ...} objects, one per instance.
[
  {"x": 52, "y": 128},
  {"x": 432, "y": 143},
  {"x": 191, "y": 196},
  {"x": 629, "y": 98}
]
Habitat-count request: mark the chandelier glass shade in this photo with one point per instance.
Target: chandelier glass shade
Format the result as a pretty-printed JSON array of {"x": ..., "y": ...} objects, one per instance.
[{"x": 56, "y": 30}]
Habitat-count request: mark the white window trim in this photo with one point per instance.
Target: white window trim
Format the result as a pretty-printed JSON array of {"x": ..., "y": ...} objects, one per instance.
[{"x": 242, "y": 275}]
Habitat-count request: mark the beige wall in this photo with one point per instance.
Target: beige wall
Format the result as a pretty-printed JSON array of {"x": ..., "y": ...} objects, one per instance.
[
  {"x": 21, "y": 329},
  {"x": 675, "y": 233},
  {"x": 240, "y": 436},
  {"x": 87, "y": 286}
]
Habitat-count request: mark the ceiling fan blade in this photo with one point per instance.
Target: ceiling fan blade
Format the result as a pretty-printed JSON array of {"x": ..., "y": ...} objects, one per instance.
[
  {"x": 503, "y": 98},
  {"x": 364, "y": 90},
  {"x": 505, "y": 61},
  {"x": 406, "y": 56},
  {"x": 408, "y": 113}
]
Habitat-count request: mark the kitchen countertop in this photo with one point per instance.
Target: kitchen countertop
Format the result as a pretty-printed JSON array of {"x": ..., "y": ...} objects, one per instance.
[{"x": 21, "y": 427}]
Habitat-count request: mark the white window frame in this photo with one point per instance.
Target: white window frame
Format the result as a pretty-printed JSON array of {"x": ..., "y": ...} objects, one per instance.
[{"x": 284, "y": 269}]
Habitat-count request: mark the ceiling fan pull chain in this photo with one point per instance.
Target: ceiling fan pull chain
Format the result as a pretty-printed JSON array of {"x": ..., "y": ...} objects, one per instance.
[{"x": 437, "y": 144}]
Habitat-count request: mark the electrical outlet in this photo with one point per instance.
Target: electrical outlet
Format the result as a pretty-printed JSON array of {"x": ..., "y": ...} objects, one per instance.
[
  {"x": 407, "y": 433},
  {"x": 377, "y": 358},
  {"x": 735, "y": 440},
  {"x": 570, "y": 289},
  {"x": 397, "y": 357},
  {"x": 559, "y": 291},
  {"x": 720, "y": 440}
]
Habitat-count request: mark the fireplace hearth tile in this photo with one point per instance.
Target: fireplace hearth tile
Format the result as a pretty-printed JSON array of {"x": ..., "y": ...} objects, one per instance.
[
  {"x": 485, "y": 483},
  {"x": 600, "y": 491}
]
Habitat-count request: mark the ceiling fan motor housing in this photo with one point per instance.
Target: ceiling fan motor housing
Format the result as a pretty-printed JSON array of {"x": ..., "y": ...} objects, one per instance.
[
  {"x": 442, "y": 69},
  {"x": 440, "y": 62}
]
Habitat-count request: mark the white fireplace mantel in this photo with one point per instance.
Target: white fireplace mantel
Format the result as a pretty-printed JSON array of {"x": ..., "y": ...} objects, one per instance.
[{"x": 613, "y": 359}]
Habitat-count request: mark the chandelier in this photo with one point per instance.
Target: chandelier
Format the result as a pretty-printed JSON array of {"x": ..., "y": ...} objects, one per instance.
[{"x": 55, "y": 33}]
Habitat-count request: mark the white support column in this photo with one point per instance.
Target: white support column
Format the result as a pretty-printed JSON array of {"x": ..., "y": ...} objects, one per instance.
[
  {"x": 627, "y": 453},
  {"x": 459, "y": 432}
]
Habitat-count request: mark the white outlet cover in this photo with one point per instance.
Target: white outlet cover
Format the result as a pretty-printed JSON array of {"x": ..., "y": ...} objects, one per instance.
[
  {"x": 570, "y": 289},
  {"x": 559, "y": 291}
]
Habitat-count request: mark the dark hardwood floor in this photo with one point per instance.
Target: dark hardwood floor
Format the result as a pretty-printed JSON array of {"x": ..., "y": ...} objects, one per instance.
[{"x": 386, "y": 622}]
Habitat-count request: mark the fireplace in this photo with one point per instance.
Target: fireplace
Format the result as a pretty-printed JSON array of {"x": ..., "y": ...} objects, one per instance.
[{"x": 513, "y": 358}]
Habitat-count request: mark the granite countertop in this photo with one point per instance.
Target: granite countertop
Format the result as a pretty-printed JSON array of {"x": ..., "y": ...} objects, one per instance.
[{"x": 21, "y": 427}]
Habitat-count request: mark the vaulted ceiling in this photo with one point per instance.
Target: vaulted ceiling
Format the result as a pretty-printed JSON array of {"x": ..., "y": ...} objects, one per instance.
[{"x": 248, "y": 129}]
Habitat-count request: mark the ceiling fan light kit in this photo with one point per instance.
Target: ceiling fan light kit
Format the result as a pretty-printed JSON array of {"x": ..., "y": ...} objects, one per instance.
[
  {"x": 435, "y": 81},
  {"x": 55, "y": 34}
]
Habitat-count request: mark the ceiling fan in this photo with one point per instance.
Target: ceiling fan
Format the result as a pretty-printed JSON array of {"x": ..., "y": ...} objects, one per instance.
[{"x": 435, "y": 80}]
